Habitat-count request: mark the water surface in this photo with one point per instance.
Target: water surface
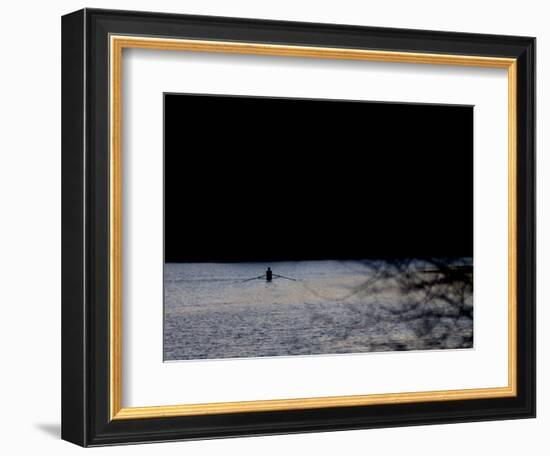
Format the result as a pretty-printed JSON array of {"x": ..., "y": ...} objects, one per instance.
[{"x": 210, "y": 311}]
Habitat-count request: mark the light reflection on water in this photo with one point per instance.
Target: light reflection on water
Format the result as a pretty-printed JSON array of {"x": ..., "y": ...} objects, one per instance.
[{"x": 333, "y": 307}]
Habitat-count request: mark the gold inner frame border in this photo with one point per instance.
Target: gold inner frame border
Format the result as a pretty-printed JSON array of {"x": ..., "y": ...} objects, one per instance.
[{"x": 116, "y": 46}]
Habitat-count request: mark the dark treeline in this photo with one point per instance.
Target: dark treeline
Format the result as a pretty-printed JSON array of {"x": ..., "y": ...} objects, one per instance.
[{"x": 260, "y": 179}]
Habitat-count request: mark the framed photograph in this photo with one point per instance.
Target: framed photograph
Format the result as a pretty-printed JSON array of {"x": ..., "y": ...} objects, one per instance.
[{"x": 278, "y": 227}]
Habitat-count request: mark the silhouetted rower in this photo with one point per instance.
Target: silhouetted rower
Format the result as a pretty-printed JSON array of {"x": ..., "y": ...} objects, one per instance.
[{"x": 268, "y": 277}]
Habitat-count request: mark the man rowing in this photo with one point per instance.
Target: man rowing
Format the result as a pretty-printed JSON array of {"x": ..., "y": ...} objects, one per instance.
[{"x": 269, "y": 276}]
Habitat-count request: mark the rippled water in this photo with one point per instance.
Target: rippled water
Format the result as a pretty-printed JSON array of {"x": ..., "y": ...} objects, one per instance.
[{"x": 332, "y": 307}]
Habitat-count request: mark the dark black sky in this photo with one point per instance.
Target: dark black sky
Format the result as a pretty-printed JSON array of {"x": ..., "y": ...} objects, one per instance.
[{"x": 264, "y": 179}]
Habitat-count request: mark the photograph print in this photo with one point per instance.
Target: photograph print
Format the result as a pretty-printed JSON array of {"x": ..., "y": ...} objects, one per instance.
[{"x": 315, "y": 227}]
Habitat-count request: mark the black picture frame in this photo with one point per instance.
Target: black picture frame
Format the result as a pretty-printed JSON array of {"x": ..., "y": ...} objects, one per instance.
[{"x": 86, "y": 355}]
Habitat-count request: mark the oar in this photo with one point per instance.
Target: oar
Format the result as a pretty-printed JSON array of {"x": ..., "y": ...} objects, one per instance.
[
  {"x": 253, "y": 278},
  {"x": 283, "y": 277}
]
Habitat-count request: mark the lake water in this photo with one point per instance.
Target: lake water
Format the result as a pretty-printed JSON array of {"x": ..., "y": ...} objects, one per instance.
[{"x": 210, "y": 311}]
